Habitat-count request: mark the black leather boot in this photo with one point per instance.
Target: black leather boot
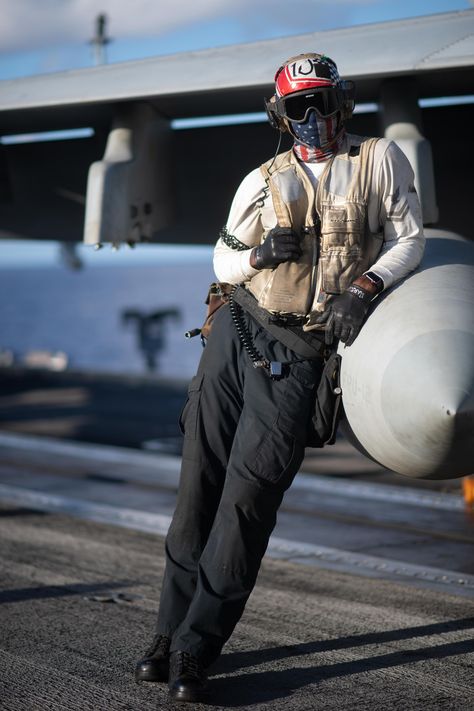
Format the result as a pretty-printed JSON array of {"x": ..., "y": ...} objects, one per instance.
[
  {"x": 188, "y": 680},
  {"x": 155, "y": 665}
]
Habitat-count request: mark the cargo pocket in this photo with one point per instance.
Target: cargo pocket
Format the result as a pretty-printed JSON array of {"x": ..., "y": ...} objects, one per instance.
[
  {"x": 297, "y": 406},
  {"x": 278, "y": 456},
  {"x": 188, "y": 420}
]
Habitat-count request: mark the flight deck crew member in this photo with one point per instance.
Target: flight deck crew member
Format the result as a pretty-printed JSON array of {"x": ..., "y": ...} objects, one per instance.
[{"x": 312, "y": 237}]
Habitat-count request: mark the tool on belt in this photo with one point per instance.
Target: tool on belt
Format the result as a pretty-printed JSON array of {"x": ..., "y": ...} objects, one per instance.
[{"x": 218, "y": 295}]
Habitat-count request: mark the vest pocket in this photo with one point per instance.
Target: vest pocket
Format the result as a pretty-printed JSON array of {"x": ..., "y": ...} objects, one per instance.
[
  {"x": 338, "y": 271},
  {"x": 260, "y": 284},
  {"x": 286, "y": 287},
  {"x": 342, "y": 226},
  {"x": 342, "y": 239}
]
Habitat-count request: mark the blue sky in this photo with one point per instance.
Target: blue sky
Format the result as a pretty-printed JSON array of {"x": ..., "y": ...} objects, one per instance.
[{"x": 39, "y": 36}]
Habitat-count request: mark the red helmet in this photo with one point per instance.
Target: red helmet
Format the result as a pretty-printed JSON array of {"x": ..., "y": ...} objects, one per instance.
[{"x": 306, "y": 71}]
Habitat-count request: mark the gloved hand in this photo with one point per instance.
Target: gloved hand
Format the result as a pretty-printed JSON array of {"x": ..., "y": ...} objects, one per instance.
[
  {"x": 281, "y": 245},
  {"x": 345, "y": 315}
]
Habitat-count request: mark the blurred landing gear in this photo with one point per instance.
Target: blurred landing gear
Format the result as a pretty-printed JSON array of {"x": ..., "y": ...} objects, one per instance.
[{"x": 150, "y": 332}]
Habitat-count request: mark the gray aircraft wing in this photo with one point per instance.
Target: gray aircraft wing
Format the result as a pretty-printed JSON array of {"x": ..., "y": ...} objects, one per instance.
[{"x": 148, "y": 181}]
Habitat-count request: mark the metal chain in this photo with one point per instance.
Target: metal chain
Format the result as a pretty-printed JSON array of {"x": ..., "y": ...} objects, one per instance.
[
  {"x": 245, "y": 338},
  {"x": 232, "y": 241},
  {"x": 275, "y": 369}
]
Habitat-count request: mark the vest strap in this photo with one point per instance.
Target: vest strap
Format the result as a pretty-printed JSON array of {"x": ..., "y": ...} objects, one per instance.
[
  {"x": 281, "y": 209},
  {"x": 359, "y": 188}
]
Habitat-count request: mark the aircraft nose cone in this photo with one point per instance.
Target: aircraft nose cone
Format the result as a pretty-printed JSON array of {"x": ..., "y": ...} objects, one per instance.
[
  {"x": 434, "y": 425},
  {"x": 408, "y": 379}
]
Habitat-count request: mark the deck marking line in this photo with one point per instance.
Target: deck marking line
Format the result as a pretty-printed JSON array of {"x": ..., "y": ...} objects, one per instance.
[
  {"x": 281, "y": 548},
  {"x": 84, "y": 450}
]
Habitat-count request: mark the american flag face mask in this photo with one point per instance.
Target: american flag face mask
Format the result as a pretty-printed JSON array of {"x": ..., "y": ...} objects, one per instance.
[{"x": 316, "y": 132}]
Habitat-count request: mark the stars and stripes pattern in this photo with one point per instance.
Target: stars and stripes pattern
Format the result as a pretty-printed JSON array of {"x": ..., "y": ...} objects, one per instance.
[
  {"x": 317, "y": 139},
  {"x": 307, "y": 154},
  {"x": 306, "y": 72}
]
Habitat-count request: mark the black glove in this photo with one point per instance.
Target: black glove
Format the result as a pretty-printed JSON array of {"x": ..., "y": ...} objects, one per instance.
[
  {"x": 346, "y": 314},
  {"x": 281, "y": 245}
]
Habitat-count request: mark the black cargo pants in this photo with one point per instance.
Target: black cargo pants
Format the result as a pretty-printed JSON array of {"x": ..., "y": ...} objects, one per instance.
[{"x": 244, "y": 442}]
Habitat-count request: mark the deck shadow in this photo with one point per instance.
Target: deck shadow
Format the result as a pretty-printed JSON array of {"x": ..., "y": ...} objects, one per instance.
[
  {"x": 229, "y": 663},
  {"x": 266, "y": 686},
  {"x": 41, "y": 592}
]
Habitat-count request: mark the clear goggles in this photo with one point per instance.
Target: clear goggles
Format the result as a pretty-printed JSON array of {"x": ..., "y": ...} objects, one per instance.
[{"x": 295, "y": 107}]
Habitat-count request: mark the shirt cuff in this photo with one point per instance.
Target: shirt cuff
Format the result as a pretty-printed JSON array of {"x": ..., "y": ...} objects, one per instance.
[
  {"x": 247, "y": 270},
  {"x": 386, "y": 275}
]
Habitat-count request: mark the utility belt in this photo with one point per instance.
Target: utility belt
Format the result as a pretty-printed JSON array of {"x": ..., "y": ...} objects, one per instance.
[
  {"x": 286, "y": 329},
  {"x": 286, "y": 320}
]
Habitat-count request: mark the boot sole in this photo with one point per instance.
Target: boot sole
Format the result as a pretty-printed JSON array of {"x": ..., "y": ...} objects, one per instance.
[
  {"x": 157, "y": 678},
  {"x": 190, "y": 696}
]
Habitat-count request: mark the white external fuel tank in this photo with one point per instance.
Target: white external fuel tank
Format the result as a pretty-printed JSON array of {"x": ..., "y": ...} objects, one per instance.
[{"x": 408, "y": 379}]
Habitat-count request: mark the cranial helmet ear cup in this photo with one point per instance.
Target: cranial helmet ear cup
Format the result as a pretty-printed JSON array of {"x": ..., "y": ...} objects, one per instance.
[
  {"x": 347, "y": 108},
  {"x": 276, "y": 121}
]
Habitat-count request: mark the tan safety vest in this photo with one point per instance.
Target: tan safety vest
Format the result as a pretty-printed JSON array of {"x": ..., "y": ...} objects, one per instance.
[{"x": 336, "y": 243}]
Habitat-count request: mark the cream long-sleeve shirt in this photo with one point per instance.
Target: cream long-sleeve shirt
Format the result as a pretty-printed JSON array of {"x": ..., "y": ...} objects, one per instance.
[{"x": 393, "y": 208}]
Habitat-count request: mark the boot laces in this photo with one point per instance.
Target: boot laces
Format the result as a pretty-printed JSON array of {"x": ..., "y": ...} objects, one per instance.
[
  {"x": 160, "y": 645},
  {"x": 188, "y": 664}
]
